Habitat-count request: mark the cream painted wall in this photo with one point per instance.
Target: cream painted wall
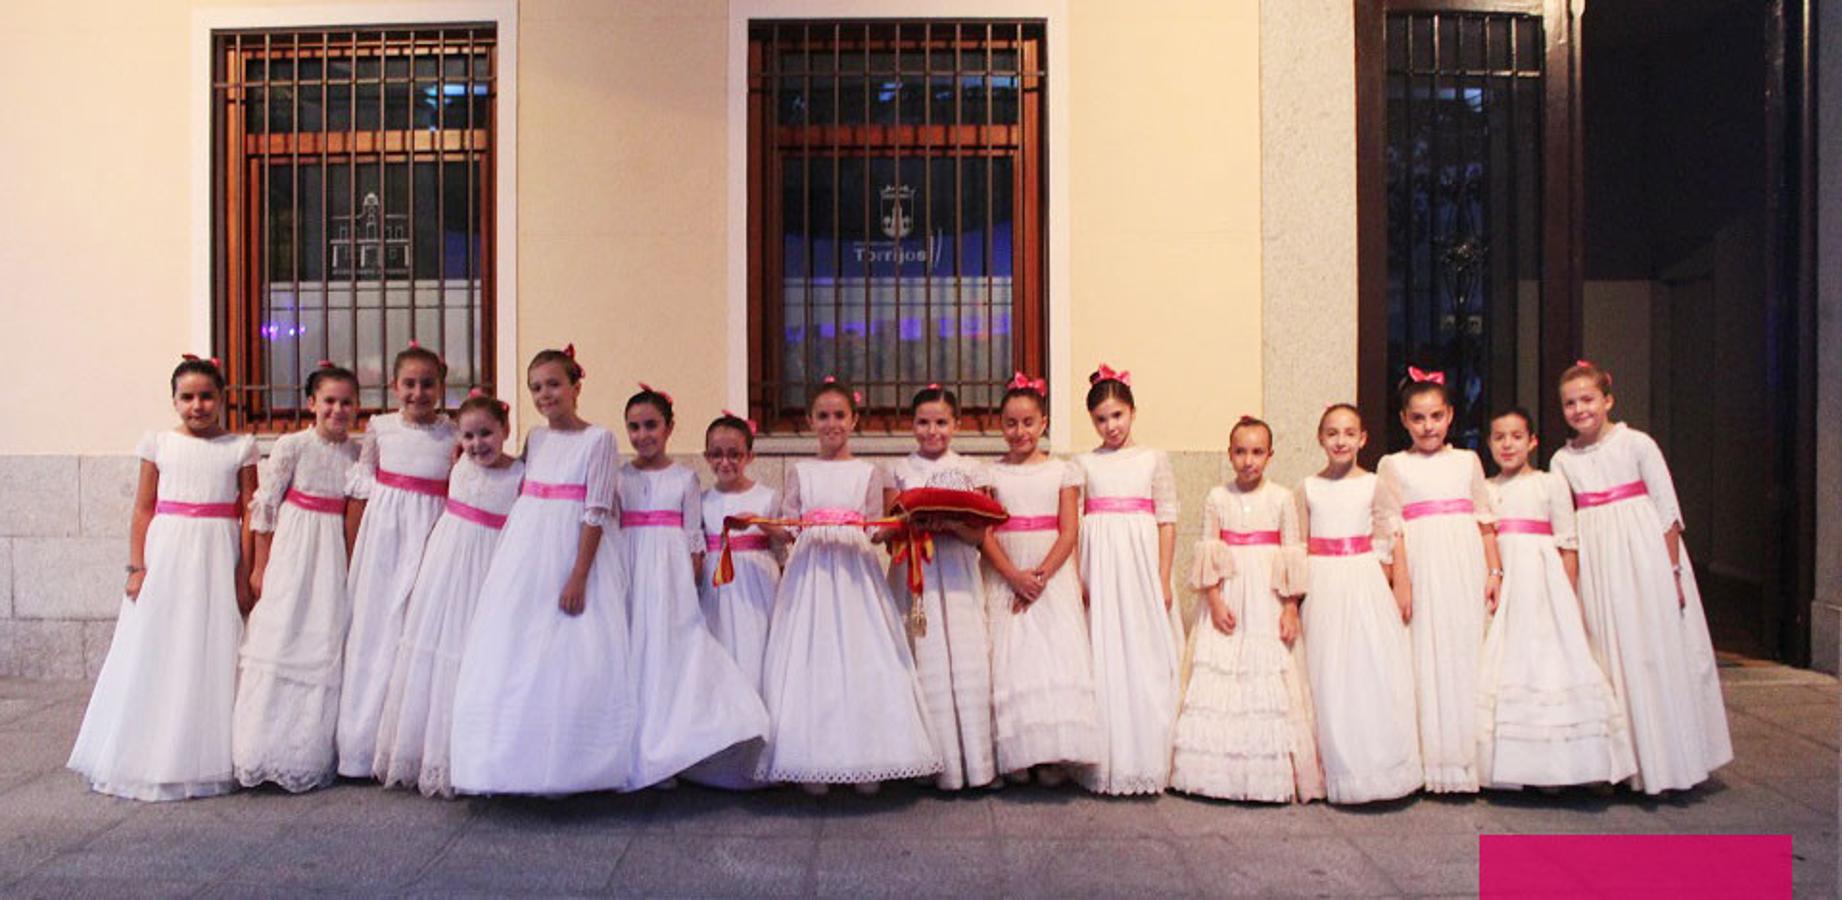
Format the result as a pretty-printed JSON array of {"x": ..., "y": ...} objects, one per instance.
[{"x": 621, "y": 204}]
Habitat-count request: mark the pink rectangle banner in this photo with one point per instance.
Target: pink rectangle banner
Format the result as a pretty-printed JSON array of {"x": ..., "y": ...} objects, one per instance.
[{"x": 1677, "y": 866}]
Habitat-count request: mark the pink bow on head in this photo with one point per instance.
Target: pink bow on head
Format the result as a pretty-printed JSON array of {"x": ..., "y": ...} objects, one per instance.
[
  {"x": 1589, "y": 364},
  {"x": 473, "y": 392},
  {"x": 569, "y": 350},
  {"x": 1418, "y": 376},
  {"x": 324, "y": 364},
  {"x": 933, "y": 385},
  {"x": 1249, "y": 420},
  {"x": 652, "y": 390},
  {"x": 1022, "y": 382},
  {"x": 752, "y": 429},
  {"x": 1106, "y": 373},
  {"x": 193, "y": 357}
]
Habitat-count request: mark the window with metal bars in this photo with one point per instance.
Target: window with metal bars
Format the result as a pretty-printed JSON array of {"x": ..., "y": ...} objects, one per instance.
[
  {"x": 896, "y": 211},
  {"x": 352, "y": 209}
]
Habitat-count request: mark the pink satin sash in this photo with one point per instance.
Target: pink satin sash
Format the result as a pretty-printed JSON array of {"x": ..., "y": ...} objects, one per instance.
[
  {"x": 714, "y": 542},
  {"x": 197, "y": 510},
  {"x": 1588, "y": 499},
  {"x": 476, "y": 515},
  {"x": 831, "y": 515},
  {"x": 433, "y": 487},
  {"x": 1349, "y": 546},
  {"x": 317, "y": 503},
  {"x": 1423, "y": 508},
  {"x": 545, "y": 491},
  {"x": 1524, "y": 526},
  {"x": 1121, "y": 505},
  {"x": 1249, "y": 538},
  {"x": 1031, "y": 523},
  {"x": 651, "y": 518}
]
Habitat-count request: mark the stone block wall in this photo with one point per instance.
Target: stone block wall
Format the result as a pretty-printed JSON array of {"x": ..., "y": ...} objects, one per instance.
[{"x": 64, "y": 541}]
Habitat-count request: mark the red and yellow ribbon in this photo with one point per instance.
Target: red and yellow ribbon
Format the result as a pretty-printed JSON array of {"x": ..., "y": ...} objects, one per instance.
[{"x": 913, "y": 547}]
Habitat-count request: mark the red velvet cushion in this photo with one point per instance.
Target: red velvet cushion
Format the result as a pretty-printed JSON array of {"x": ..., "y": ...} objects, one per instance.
[{"x": 969, "y": 505}]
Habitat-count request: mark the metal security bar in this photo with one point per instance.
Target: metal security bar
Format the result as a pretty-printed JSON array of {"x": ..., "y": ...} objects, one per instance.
[
  {"x": 1464, "y": 157},
  {"x": 351, "y": 209},
  {"x": 895, "y": 212}
]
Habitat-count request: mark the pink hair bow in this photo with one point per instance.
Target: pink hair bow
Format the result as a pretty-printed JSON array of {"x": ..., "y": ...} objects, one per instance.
[
  {"x": 324, "y": 364},
  {"x": 193, "y": 357},
  {"x": 1022, "y": 382},
  {"x": 652, "y": 390},
  {"x": 1106, "y": 373},
  {"x": 1249, "y": 420},
  {"x": 1589, "y": 364},
  {"x": 569, "y": 350},
  {"x": 475, "y": 392},
  {"x": 752, "y": 428},
  {"x": 856, "y": 396},
  {"x": 1418, "y": 375}
]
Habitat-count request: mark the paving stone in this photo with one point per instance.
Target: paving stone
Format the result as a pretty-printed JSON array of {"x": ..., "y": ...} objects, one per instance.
[
  {"x": 1198, "y": 816},
  {"x": 106, "y": 486},
  {"x": 103, "y": 888},
  {"x": 686, "y": 865},
  {"x": 363, "y": 804},
  {"x": 493, "y": 858},
  {"x": 1443, "y": 814},
  {"x": 1136, "y": 866},
  {"x": 346, "y": 859},
  {"x": 62, "y": 795},
  {"x": 38, "y": 495},
  {"x": 766, "y": 813},
  {"x": 1073, "y": 813},
  {"x": 68, "y": 577},
  {"x": 908, "y": 868},
  {"x": 1813, "y": 859},
  {"x": 585, "y": 812},
  {"x": 904, "y": 811},
  {"x": 1421, "y": 863},
  {"x": 1305, "y": 866},
  {"x": 1818, "y": 722},
  {"x": 26, "y": 843},
  {"x": 152, "y": 847}
]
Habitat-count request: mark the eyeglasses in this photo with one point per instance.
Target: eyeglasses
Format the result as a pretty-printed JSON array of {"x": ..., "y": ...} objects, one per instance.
[{"x": 720, "y": 455}]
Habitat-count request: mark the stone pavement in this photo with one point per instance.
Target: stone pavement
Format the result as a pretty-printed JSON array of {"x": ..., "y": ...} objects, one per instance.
[{"x": 57, "y": 839}]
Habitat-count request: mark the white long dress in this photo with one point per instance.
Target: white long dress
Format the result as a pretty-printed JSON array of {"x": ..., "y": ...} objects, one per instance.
[
  {"x": 289, "y": 669},
  {"x": 158, "y": 722},
  {"x": 1136, "y": 642},
  {"x": 1361, "y": 659},
  {"x": 1546, "y": 712},
  {"x": 417, "y": 722},
  {"x": 953, "y": 656},
  {"x": 1041, "y": 673},
  {"x": 1655, "y": 648},
  {"x": 693, "y": 701},
  {"x": 838, "y": 678},
  {"x": 544, "y": 701},
  {"x": 738, "y": 613},
  {"x": 399, "y": 468},
  {"x": 1246, "y": 730},
  {"x": 1437, "y": 501}
]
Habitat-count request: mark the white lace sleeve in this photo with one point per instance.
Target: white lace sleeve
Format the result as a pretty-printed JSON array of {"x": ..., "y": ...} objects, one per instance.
[
  {"x": 1072, "y": 474},
  {"x": 693, "y": 511},
  {"x": 873, "y": 498},
  {"x": 1560, "y": 511},
  {"x": 1657, "y": 480},
  {"x": 362, "y": 477},
  {"x": 276, "y": 475},
  {"x": 1483, "y": 502},
  {"x": 1291, "y": 564},
  {"x": 1214, "y": 563},
  {"x": 603, "y": 500},
  {"x": 1164, "y": 490},
  {"x": 251, "y": 455},
  {"x": 149, "y": 447},
  {"x": 1385, "y": 516}
]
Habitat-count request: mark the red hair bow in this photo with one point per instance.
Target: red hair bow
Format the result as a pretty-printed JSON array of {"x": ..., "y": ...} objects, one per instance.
[
  {"x": 652, "y": 390},
  {"x": 1106, "y": 373},
  {"x": 569, "y": 350},
  {"x": 193, "y": 357},
  {"x": 752, "y": 429},
  {"x": 1022, "y": 382},
  {"x": 324, "y": 364},
  {"x": 1418, "y": 375}
]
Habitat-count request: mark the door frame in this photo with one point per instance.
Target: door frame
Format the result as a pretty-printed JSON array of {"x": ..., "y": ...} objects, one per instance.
[{"x": 1563, "y": 200}]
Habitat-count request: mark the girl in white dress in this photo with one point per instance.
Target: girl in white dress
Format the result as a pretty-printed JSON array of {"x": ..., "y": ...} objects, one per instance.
[
  {"x": 544, "y": 700},
  {"x": 1245, "y": 731},
  {"x": 1434, "y": 499},
  {"x": 838, "y": 678},
  {"x": 953, "y": 654},
  {"x": 288, "y": 677},
  {"x": 395, "y": 494},
  {"x": 1128, "y": 539},
  {"x": 693, "y": 701},
  {"x": 737, "y": 612},
  {"x": 418, "y": 717},
  {"x": 1643, "y": 608},
  {"x": 1041, "y": 675},
  {"x": 158, "y": 722},
  {"x": 1361, "y": 658},
  {"x": 1546, "y": 715}
]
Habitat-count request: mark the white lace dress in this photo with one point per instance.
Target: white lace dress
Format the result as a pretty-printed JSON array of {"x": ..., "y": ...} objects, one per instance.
[
  {"x": 1041, "y": 673},
  {"x": 693, "y": 701},
  {"x": 1136, "y": 642},
  {"x": 838, "y": 678},
  {"x": 1546, "y": 713},
  {"x": 544, "y": 700},
  {"x": 288, "y": 676},
  {"x": 417, "y": 722},
  {"x": 158, "y": 722},
  {"x": 1653, "y": 646},
  {"x": 1437, "y": 501},
  {"x": 1361, "y": 657},
  {"x": 402, "y": 474},
  {"x": 1246, "y": 729},
  {"x": 953, "y": 656},
  {"x": 738, "y": 613}
]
